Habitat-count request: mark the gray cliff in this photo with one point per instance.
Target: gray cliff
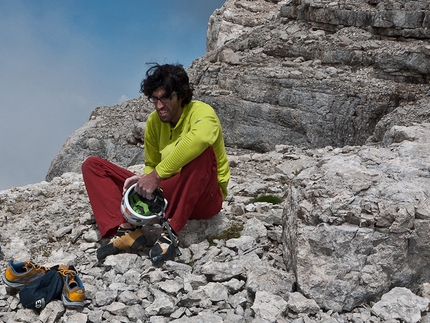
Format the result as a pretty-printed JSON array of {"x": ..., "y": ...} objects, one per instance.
[{"x": 304, "y": 73}]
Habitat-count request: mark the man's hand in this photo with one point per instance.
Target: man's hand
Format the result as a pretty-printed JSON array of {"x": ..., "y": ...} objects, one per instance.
[
  {"x": 129, "y": 182},
  {"x": 147, "y": 184}
]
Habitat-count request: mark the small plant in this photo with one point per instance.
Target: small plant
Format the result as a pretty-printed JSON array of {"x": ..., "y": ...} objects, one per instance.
[
  {"x": 267, "y": 198},
  {"x": 233, "y": 163},
  {"x": 297, "y": 172},
  {"x": 44, "y": 251},
  {"x": 231, "y": 233}
]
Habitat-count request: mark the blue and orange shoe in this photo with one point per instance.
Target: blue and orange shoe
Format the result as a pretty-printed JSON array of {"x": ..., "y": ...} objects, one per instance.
[
  {"x": 73, "y": 294},
  {"x": 22, "y": 273}
]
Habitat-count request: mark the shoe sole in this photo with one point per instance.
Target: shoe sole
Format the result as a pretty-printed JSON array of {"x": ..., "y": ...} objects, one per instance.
[
  {"x": 70, "y": 304},
  {"x": 107, "y": 250},
  {"x": 157, "y": 260},
  {"x": 12, "y": 284}
]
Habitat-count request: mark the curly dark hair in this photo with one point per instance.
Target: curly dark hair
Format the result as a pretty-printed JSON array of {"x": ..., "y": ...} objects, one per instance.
[{"x": 170, "y": 77}]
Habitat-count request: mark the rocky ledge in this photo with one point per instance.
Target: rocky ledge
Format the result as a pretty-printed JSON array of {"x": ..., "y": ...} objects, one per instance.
[
  {"x": 233, "y": 267},
  {"x": 306, "y": 83}
]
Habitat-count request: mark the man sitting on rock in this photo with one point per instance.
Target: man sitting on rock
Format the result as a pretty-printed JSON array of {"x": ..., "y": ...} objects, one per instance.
[{"x": 184, "y": 156}]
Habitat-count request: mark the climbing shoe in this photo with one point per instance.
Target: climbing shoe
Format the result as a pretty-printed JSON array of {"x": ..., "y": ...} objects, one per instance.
[
  {"x": 73, "y": 293},
  {"x": 132, "y": 240},
  {"x": 165, "y": 248},
  {"x": 22, "y": 273}
]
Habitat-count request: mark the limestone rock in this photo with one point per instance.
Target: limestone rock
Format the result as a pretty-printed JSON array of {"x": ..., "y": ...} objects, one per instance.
[{"x": 351, "y": 228}]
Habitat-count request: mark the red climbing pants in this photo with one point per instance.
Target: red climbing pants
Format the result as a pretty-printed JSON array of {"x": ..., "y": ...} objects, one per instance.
[{"x": 191, "y": 194}]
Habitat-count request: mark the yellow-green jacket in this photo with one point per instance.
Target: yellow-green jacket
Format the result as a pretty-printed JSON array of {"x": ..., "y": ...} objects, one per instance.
[{"x": 168, "y": 149}]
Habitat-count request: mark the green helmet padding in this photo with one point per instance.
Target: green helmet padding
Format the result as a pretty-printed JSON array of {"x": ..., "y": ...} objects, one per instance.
[
  {"x": 138, "y": 205},
  {"x": 144, "y": 206}
]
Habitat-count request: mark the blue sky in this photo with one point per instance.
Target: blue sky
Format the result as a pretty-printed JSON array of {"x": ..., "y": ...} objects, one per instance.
[{"x": 59, "y": 60}]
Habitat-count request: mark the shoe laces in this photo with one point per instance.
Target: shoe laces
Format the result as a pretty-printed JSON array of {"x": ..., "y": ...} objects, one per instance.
[
  {"x": 64, "y": 271},
  {"x": 28, "y": 265}
]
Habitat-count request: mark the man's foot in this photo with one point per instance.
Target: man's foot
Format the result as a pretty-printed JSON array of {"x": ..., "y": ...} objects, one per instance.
[
  {"x": 132, "y": 240},
  {"x": 165, "y": 247}
]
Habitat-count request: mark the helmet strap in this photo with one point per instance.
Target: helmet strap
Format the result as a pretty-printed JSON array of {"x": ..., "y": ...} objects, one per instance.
[{"x": 164, "y": 222}]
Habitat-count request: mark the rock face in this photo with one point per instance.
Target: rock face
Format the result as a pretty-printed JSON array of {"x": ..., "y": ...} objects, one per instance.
[
  {"x": 312, "y": 73},
  {"x": 323, "y": 104},
  {"x": 304, "y": 73}
]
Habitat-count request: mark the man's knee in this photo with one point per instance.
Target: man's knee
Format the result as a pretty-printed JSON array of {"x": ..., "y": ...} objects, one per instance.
[
  {"x": 89, "y": 163},
  {"x": 206, "y": 159}
]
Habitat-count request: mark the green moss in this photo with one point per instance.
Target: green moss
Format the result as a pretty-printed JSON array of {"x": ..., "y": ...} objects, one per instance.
[{"x": 230, "y": 233}]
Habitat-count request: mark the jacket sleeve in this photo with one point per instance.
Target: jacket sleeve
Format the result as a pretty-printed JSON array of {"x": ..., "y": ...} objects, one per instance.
[{"x": 152, "y": 152}]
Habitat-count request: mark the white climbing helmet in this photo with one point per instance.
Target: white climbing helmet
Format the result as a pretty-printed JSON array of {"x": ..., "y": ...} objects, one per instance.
[{"x": 138, "y": 210}]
